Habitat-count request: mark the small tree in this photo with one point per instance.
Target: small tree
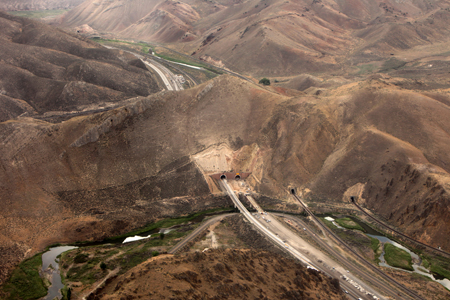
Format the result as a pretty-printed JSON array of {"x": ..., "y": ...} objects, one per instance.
[
  {"x": 155, "y": 253},
  {"x": 161, "y": 235},
  {"x": 102, "y": 266},
  {"x": 265, "y": 81}
]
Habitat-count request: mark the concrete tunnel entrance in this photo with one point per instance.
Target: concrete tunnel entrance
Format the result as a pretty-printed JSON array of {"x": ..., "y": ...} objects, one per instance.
[
  {"x": 293, "y": 191},
  {"x": 237, "y": 177},
  {"x": 223, "y": 176}
]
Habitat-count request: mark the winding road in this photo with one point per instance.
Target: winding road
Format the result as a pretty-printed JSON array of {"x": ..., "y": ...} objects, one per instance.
[{"x": 197, "y": 232}]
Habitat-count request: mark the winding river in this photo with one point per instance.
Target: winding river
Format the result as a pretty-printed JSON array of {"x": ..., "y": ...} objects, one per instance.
[
  {"x": 50, "y": 265},
  {"x": 417, "y": 261}
]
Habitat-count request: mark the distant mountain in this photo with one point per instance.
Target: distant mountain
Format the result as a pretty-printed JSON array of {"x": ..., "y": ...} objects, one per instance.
[
  {"x": 12, "y": 5},
  {"x": 273, "y": 37},
  {"x": 44, "y": 69}
]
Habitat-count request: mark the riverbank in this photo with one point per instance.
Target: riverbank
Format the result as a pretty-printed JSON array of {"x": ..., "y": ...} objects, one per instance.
[{"x": 28, "y": 280}]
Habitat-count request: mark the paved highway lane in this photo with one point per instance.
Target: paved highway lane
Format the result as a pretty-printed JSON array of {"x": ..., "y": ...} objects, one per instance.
[
  {"x": 161, "y": 74},
  {"x": 197, "y": 232},
  {"x": 288, "y": 245},
  {"x": 400, "y": 291},
  {"x": 170, "y": 81}
]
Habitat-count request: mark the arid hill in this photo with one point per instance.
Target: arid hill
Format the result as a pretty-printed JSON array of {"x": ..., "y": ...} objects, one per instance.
[
  {"x": 11, "y": 5},
  {"x": 103, "y": 174},
  {"x": 129, "y": 154},
  {"x": 273, "y": 37},
  {"x": 222, "y": 274},
  {"x": 44, "y": 69}
]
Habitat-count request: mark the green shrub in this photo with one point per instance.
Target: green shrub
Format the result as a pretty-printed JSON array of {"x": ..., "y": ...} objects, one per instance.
[
  {"x": 103, "y": 266},
  {"x": 155, "y": 253},
  {"x": 81, "y": 258},
  {"x": 265, "y": 81}
]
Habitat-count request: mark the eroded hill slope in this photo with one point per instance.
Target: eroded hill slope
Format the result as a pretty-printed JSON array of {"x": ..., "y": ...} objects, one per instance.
[
  {"x": 106, "y": 173},
  {"x": 44, "y": 69},
  {"x": 222, "y": 274},
  {"x": 273, "y": 37},
  {"x": 11, "y": 5}
]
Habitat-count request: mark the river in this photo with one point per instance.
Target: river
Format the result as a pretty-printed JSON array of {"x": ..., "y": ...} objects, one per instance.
[
  {"x": 417, "y": 261},
  {"x": 50, "y": 258}
]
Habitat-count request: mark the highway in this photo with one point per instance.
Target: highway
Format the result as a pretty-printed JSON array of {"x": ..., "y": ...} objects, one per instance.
[
  {"x": 352, "y": 290},
  {"x": 161, "y": 74},
  {"x": 407, "y": 294},
  {"x": 169, "y": 79},
  {"x": 197, "y": 231},
  {"x": 166, "y": 75}
]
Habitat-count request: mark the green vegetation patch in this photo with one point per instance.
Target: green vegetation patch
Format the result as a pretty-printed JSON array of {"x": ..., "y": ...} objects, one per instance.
[
  {"x": 162, "y": 53},
  {"x": 349, "y": 224},
  {"x": 442, "y": 270},
  {"x": 397, "y": 257},
  {"x": 166, "y": 223},
  {"x": 425, "y": 263},
  {"x": 91, "y": 263},
  {"x": 374, "y": 243},
  {"x": 366, "y": 69},
  {"x": 38, "y": 14},
  {"x": 25, "y": 282},
  {"x": 438, "y": 265},
  {"x": 392, "y": 64}
]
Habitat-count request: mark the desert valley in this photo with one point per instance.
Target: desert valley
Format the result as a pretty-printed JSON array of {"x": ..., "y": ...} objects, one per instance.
[{"x": 217, "y": 149}]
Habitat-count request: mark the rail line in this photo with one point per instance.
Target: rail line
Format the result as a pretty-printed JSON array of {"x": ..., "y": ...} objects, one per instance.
[
  {"x": 400, "y": 286},
  {"x": 399, "y": 233}
]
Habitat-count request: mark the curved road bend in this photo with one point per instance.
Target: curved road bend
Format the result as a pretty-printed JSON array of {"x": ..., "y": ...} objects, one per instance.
[
  {"x": 169, "y": 76},
  {"x": 161, "y": 74},
  {"x": 401, "y": 287},
  {"x": 197, "y": 232},
  {"x": 166, "y": 75},
  {"x": 398, "y": 232},
  {"x": 352, "y": 291}
]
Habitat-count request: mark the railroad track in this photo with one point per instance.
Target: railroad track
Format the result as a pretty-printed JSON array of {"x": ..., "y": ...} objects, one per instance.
[
  {"x": 399, "y": 233},
  {"x": 398, "y": 285}
]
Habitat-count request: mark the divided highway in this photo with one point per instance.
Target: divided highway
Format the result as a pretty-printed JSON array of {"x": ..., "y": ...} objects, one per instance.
[
  {"x": 169, "y": 79},
  {"x": 353, "y": 292},
  {"x": 406, "y": 292}
]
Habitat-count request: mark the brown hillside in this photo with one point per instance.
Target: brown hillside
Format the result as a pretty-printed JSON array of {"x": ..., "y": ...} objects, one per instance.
[
  {"x": 11, "y": 5},
  {"x": 393, "y": 142},
  {"x": 44, "y": 69},
  {"x": 222, "y": 274},
  {"x": 110, "y": 172},
  {"x": 274, "y": 37}
]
